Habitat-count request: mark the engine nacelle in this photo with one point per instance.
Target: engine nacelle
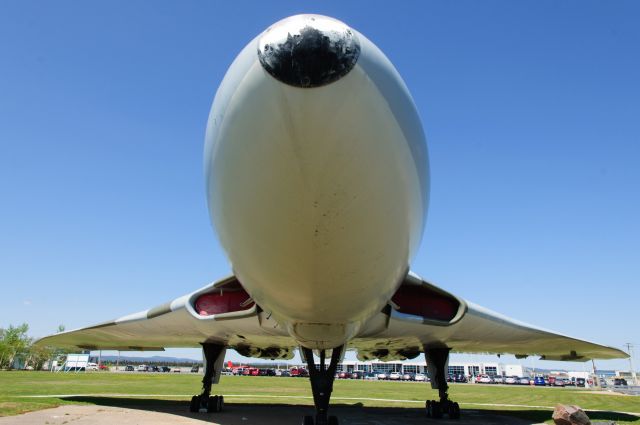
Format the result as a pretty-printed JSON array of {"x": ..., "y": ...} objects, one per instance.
[
  {"x": 419, "y": 300},
  {"x": 223, "y": 300},
  {"x": 227, "y": 299}
]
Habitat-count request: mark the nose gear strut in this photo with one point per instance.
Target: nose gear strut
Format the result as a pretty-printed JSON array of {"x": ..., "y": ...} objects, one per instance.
[{"x": 321, "y": 379}]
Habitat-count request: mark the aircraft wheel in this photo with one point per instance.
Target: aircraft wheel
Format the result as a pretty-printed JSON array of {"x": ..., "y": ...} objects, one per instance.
[
  {"x": 212, "y": 405},
  {"x": 427, "y": 406},
  {"x": 436, "y": 410},
  {"x": 220, "y": 403},
  {"x": 449, "y": 410},
  {"x": 194, "y": 406},
  {"x": 454, "y": 411}
]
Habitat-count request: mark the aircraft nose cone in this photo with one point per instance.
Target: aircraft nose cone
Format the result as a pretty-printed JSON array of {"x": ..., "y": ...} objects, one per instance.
[{"x": 308, "y": 50}]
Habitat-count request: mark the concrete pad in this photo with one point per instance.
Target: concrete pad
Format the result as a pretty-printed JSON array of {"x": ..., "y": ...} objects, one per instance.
[
  {"x": 171, "y": 412},
  {"x": 98, "y": 415}
]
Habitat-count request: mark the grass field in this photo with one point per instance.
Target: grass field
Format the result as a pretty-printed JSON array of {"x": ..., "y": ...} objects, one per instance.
[{"x": 104, "y": 388}]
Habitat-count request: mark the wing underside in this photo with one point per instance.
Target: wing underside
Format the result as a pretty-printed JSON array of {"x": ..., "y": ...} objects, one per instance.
[
  {"x": 419, "y": 315},
  {"x": 220, "y": 312},
  {"x": 466, "y": 328}
]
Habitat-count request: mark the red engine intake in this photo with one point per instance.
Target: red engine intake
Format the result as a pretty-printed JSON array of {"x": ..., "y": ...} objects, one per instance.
[
  {"x": 426, "y": 302},
  {"x": 227, "y": 299}
]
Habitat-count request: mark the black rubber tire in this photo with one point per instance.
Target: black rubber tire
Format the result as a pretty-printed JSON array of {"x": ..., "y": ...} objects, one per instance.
[
  {"x": 333, "y": 420},
  {"x": 456, "y": 411},
  {"x": 220, "y": 403},
  {"x": 194, "y": 406},
  {"x": 436, "y": 410},
  {"x": 427, "y": 406},
  {"x": 450, "y": 411},
  {"x": 212, "y": 404},
  {"x": 307, "y": 420}
]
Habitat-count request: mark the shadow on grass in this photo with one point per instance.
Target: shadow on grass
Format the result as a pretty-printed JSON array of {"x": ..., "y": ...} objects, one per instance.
[{"x": 357, "y": 414}]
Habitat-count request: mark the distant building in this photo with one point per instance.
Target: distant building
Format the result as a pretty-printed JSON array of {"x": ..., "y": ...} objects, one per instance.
[
  {"x": 454, "y": 368},
  {"x": 514, "y": 370}
]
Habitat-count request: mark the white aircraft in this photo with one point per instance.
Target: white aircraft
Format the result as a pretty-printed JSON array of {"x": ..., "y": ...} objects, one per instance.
[{"x": 317, "y": 184}]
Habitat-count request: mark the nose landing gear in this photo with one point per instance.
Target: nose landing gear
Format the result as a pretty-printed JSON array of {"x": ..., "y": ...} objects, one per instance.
[{"x": 321, "y": 379}]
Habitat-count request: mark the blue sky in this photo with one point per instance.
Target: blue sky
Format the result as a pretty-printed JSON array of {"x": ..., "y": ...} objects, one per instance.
[{"x": 531, "y": 110}]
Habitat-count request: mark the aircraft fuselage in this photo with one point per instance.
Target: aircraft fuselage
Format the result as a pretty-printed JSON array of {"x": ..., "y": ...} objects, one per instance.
[{"x": 318, "y": 194}]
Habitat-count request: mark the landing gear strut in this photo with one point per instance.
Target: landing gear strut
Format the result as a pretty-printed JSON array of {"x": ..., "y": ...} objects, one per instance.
[
  {"x": 204, "y": 402},
  {"x": 322, "y": 385},
  {"x": 437, "y": 359}
]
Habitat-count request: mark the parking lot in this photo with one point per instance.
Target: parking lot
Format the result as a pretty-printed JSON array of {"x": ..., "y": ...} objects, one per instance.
[{"x": 617, "y": 384}]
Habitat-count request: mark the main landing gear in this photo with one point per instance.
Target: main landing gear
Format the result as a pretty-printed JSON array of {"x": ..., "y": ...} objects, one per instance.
[
  {"x": 204, "y": 402},
  {"x": 321, "y": 379},
  {"x": 437, "y": 359}
]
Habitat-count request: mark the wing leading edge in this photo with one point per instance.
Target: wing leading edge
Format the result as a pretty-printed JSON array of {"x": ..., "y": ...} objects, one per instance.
[{"x": 220, "y": 312}]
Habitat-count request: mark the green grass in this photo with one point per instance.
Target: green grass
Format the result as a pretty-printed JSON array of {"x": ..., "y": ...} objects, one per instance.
[{"x": 181, "y": 386}]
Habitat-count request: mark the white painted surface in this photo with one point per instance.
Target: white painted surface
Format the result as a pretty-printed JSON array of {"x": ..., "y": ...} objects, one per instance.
[
  {"x": 315, "y": 195},
  {"x": 513, "y": 370}
]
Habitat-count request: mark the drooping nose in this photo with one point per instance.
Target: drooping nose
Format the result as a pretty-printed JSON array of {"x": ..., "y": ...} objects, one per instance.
[{"x": 308, "y": 50}]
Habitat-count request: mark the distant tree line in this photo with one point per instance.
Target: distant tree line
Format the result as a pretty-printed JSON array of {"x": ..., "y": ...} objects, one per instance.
[{"x": 16, "y": 347}]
